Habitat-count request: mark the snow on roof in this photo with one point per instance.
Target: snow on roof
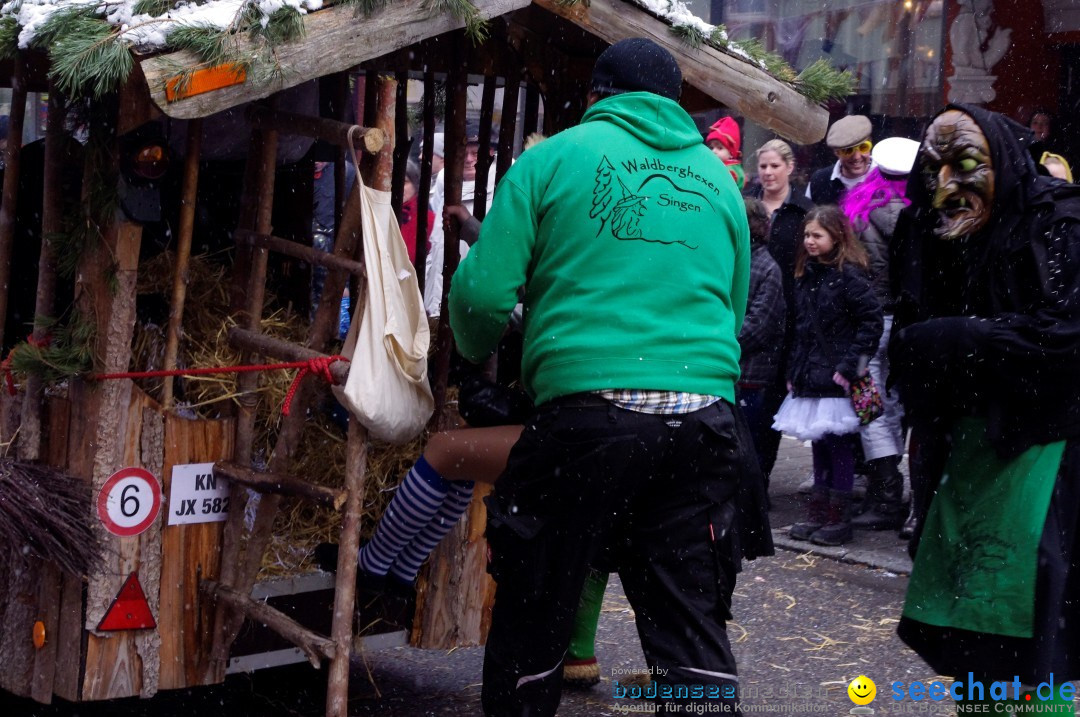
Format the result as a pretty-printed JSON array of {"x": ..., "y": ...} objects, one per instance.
[{"x": 148, "y": 32}]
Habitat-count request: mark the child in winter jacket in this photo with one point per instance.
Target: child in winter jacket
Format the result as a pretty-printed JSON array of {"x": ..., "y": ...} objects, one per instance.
[
  {"x": 724, "y": 141},
  {"x": 838, "y": 322}
]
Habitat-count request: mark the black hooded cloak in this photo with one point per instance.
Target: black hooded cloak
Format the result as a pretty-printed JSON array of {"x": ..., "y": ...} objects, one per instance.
[{"x": 989, "y": 325}]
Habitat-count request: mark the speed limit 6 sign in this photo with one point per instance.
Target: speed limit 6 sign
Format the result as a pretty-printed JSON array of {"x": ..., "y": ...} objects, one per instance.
[{"x": 129, "y": 501}]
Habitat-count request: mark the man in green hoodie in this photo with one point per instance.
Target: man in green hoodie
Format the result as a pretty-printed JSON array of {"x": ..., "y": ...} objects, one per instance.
[{"x": 631, "y": 244}]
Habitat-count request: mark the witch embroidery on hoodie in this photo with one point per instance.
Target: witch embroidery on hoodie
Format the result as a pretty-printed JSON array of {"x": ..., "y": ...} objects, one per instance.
[{"x": 626, "y": 212}]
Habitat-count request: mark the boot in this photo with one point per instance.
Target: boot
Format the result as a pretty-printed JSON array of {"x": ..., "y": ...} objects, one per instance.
[
  {"x": 817, "y": 512},
  {"x": 907, "y": 530},
  {"x": 887, "y": 511},
  {"x": 837, "y": 528}
]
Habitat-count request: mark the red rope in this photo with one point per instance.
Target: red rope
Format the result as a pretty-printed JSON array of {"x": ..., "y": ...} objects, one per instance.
[{"x": 319, "y": 366}]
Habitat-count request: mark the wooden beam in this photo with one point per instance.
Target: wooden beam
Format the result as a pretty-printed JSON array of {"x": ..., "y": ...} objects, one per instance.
[
  {"x": 246, "y": 237},
  {"x": 751, "y": 91},
  {"x": 257, "y": 343},
  {"x": 334, "y": 39},
  {"x": 315, "y": 646},
  {"x": 366, "y": 139},
  {"x": 283, "y": 484}
]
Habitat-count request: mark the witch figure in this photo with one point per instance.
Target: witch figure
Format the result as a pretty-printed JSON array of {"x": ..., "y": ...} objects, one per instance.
[{"x": 987, "y": 357}]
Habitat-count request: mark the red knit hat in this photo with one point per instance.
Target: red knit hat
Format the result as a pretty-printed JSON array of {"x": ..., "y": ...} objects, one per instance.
[{"x": 726, "y": 132}]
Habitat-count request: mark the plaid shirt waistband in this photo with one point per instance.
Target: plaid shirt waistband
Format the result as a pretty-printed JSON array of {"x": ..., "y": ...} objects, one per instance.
[{"x": 657, "y": 402}]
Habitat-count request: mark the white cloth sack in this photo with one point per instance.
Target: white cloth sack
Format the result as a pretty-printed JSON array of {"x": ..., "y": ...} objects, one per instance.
[{"x": 387, "y": 389}]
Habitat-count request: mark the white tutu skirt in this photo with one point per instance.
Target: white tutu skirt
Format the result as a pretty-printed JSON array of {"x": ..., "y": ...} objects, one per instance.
[{"x": 809, "y": 419}]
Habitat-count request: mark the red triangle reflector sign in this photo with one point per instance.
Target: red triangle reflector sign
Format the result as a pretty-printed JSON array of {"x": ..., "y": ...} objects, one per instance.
[{"x": 129, "y": 610}]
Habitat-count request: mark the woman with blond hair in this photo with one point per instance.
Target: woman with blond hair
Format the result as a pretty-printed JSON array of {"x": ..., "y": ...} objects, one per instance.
[{"x": 786, "y": 207}]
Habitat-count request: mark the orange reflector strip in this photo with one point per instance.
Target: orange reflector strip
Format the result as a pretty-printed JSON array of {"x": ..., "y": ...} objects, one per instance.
[
  {"x": 205, "y": 80},
  {"x": 39, "y": 634}
]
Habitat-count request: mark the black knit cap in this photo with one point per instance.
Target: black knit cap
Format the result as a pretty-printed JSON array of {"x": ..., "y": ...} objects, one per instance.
[{"x": 637, "y": 64}]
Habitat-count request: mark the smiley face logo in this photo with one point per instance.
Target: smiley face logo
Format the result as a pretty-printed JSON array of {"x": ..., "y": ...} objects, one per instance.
[{"x": 862, "y": 690}]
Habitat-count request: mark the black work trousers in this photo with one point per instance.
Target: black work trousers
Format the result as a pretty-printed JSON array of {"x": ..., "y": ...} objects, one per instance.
[{"x": 652, "y": 496}]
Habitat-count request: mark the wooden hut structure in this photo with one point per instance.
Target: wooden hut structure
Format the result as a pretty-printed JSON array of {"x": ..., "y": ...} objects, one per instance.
[{"x": 166, "y": 602}]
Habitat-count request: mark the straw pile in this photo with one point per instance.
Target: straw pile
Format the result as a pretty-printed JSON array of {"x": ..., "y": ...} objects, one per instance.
[{"x": 300, "y": 525}]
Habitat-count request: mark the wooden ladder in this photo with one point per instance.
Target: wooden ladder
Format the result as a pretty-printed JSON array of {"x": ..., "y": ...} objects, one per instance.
[{"x": 242, "y": 552}]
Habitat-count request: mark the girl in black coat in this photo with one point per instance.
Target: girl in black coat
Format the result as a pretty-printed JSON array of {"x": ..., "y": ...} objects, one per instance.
[{"x": 838, "y": 322}]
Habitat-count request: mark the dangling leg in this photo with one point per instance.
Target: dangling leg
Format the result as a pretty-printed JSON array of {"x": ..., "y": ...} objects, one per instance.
[
  {"x": 416, "y": 503},
  {"x": 459, "y": 457},
  {"x": 580, "y": 668}
]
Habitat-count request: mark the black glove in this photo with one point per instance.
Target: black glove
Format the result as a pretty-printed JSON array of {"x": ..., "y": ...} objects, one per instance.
[
  {"x": 482, "y": 403},
  {"x": 938, "y": 365}
]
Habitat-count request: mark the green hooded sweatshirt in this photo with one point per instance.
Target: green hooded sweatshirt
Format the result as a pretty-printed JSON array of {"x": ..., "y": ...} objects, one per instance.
[{"x": 632, "y": 245}]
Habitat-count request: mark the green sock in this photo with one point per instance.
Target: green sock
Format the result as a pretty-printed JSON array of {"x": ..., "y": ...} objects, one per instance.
[{"x": 583, "y": 638}]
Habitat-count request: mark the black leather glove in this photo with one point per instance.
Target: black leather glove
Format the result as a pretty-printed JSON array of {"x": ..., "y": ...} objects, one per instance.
[{"x": 938, "y": 365}]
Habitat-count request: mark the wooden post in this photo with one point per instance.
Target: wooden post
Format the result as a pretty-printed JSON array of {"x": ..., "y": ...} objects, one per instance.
[
  {"x": 425, "y": 177},
  {"x": 10, "y": 195},
  {"x": 341, "y": 631},
  {"x": 51, "y": 221},
  {"x": 483, "y": 159},
  {"x": 454, "y": 146},
  {"x": 109, "y": 416},
  {"x": 508, "y": 126},
  {"x": 401, "y": 142},
  {"x": 183, "y": 254},
  {"x": 531, "y": 120}
]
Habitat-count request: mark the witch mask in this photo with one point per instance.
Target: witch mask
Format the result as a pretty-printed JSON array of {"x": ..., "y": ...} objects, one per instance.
[{"x": 958, "y": 173}]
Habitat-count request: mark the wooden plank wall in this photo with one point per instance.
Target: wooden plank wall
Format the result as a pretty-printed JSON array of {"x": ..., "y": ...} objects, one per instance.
[{"x": 190, "y": 553}]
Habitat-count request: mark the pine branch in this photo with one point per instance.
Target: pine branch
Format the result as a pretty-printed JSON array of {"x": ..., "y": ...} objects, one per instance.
[
  {"x": 153, "y": 8},
  {"x": 366, "y": 7},
  {"x": 284, "y": 25},
  {"x": 476, "y": 27},
  {"x": 70, "y": 351},
  {"x": 9, "y": 37},
  {"x": 718, "y": 38},
  {"x": 689, "y": 34},
  {"x": 93, "y": 62},
  {"x": 821, "y": 82},
  {"x": 63, "y": 22}
]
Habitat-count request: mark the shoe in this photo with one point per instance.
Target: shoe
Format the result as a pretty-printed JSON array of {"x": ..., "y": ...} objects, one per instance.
[
  {"x": 875, "y": 519},
  {"x": 325, "y": 557},
  {"x": 907, "y": 530},
  {"x": 861, "y": 486},
  {"x": 837, "y": 528},
  {"x": 884, "y": 507},
  {"x": 581, "y": 674},
  {"x": 803, "y": 531},
  {"x": 817, "y": 513},
  {"x": 832, "y": 534},
  {"x": 807, "y": 486}
]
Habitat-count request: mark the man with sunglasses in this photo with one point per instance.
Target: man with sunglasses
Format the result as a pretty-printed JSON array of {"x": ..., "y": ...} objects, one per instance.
[{"x": 849, "y": 139}]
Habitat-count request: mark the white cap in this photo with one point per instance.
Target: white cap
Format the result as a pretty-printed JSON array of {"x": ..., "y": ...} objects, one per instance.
[
  {"x": 895, "y": 155},
  {"x": 437, "y": 144}
]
